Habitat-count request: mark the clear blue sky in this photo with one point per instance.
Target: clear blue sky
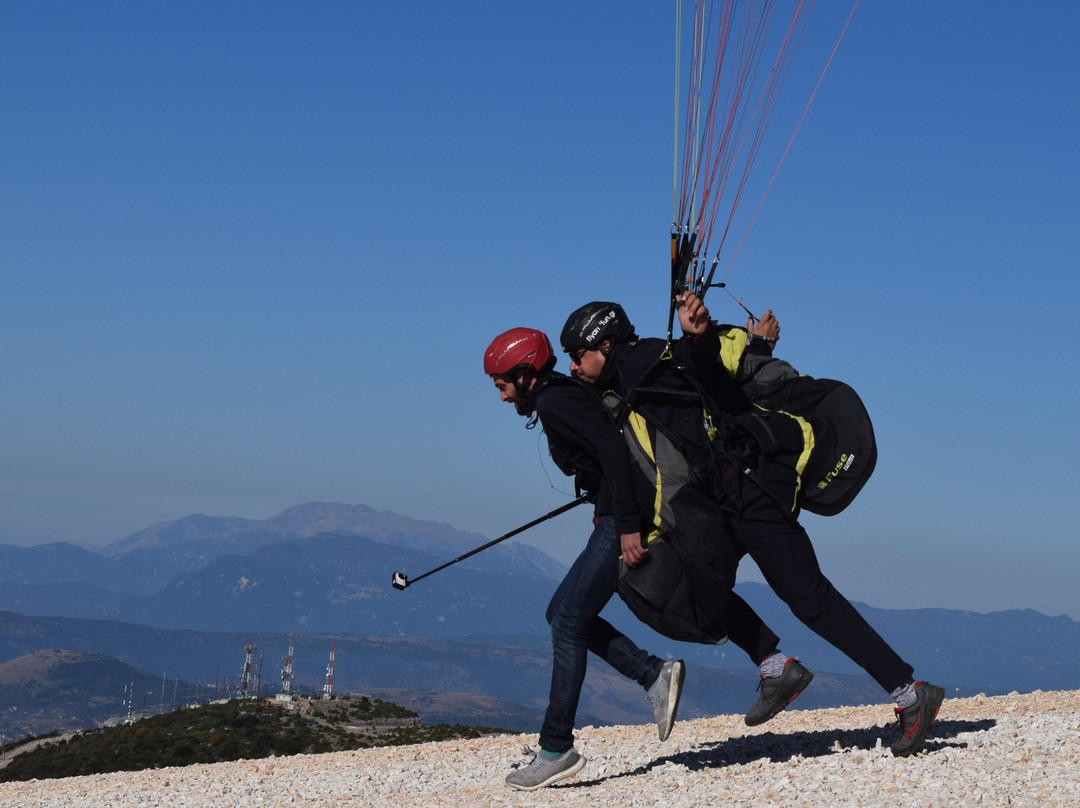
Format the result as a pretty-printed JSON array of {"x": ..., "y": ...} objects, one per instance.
[{"x": 252, "y": 254}]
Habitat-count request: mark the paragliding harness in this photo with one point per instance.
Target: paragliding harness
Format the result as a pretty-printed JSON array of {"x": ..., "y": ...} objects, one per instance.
[
  {"x": 804, "y": 442},
  {"x": 815, "y": 433},
  {"x": 682, "y": 589}
]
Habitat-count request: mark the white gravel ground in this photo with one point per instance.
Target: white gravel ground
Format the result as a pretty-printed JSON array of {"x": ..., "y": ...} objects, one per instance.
[{"x": 1016, "y": 750}]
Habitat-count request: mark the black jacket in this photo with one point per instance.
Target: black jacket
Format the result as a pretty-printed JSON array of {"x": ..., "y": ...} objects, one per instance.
[{"x": 585, "y": 445}]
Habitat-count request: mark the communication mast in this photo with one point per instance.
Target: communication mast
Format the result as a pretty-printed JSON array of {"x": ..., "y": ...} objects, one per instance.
[
  {"x": 129, "y": 702},
  {"x": 286, "y": 670},
  {"x": 244, "y": 690},
  {"x": 328, "y": 688}
]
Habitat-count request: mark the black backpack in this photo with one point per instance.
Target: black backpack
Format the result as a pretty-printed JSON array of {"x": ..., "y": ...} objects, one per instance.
[{"x": 815, "y": 433}]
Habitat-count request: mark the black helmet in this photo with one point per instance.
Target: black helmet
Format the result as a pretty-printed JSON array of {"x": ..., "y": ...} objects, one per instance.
[{"x": 593, "y": 323}]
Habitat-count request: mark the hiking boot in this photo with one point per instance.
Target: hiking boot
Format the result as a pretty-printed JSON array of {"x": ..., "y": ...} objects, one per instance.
[
  {"x": 916, "y": 720},
  {"x": 777, "y": 692},
  {"x": 545, "y": 770},
  {"x": 664, "y": 696}
]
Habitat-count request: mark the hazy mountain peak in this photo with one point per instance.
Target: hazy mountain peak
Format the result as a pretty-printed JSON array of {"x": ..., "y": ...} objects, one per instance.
[
  {"x": 322, "y": 517},
  {"x": 189, "y": 528},
  {"x": 313, "y": 518}
]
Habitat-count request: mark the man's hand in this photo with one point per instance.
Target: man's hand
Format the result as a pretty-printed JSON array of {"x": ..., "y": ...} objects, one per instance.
[
  {"x": 633, "y": 548},
  {"x": 768, "y": 327},
  {"x": 693, "y": 316}
]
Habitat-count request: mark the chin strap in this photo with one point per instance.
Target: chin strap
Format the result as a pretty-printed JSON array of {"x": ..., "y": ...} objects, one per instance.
[{"x": 523, "y": 396}]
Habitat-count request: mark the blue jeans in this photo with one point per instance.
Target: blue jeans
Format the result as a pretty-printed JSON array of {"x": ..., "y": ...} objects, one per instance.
[{"x": 577, "y": 628}]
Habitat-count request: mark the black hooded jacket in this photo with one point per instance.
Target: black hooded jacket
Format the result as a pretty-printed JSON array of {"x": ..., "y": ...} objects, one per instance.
[{"x": 585, "y": 445}]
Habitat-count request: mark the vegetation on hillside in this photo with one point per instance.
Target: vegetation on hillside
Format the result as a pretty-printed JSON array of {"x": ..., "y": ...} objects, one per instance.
[{"x": 234, "y": 730}]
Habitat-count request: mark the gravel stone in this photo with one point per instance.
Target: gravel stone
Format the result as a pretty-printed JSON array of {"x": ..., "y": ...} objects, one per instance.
[{"x": 1015, "y": 750}]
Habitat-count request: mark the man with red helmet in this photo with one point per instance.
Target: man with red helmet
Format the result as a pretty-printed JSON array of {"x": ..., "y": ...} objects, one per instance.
[{"x": 584, "y": 445}]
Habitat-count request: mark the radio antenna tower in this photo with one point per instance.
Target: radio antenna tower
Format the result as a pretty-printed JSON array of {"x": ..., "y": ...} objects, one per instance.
[
  {"x": 286, "y": 670},
  {"x": 244, "y": 691},
  {"x": 328, "y": 688},
  {"x": 129, "y": 702}
]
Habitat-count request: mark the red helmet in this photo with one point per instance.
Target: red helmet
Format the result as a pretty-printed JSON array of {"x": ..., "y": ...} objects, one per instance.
[{"x": 519, "y": 348}]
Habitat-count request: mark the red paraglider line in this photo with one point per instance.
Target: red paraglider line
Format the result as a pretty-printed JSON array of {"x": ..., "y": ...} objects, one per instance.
[
  {"x": 712, "y": 149},
  {"x": 767, "y": 104},
  {"x": 791, "y": 140}
]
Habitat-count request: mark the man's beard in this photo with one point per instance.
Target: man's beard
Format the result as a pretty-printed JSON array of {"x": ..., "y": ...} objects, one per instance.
[{"x": 523, "y": 408}]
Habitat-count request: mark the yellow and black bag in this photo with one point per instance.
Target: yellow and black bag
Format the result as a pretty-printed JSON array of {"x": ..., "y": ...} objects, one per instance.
[{"x": 817, "y": 432}]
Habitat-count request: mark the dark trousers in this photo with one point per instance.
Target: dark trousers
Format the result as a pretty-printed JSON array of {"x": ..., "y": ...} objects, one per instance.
[
  {"x": 576, "y": 629},
  {"x": 782, "y": 551}
]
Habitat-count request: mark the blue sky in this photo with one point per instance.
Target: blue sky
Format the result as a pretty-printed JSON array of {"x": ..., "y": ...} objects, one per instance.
[{"x": 252, "y": 254}]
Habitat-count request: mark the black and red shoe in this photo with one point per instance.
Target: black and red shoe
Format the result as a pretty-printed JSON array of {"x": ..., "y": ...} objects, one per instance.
[
  {"x": 777, "y": 692},
  {"x": 916, "y": 720}
]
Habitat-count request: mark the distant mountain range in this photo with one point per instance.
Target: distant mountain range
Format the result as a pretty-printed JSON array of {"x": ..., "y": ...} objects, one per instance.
[
  {"x": 147, "y": 560},
  {"x": 185, "y": 597},
  {"x": 281, "y": 574}
]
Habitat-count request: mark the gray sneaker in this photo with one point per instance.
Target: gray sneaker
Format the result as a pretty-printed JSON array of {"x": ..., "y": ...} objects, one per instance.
[
  {"x": 664, "y": 696},
  {"x": 545, "y": 770}
]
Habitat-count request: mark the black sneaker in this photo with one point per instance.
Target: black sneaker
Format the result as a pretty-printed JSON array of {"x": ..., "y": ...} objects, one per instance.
[
  {"x": 916, "y": 720},
  {"x": 777, "y": 692}
]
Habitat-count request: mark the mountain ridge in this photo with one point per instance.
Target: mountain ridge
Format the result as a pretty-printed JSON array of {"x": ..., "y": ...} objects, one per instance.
[
  {"x": 210, "y": 584},
  {"x": 145, "y": 560}
]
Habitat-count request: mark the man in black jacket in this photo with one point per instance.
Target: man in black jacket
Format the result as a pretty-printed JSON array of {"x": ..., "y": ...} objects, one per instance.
[
  {"x": 584, "y": 445},
  {"x": 606, "y": 354}
]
